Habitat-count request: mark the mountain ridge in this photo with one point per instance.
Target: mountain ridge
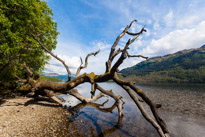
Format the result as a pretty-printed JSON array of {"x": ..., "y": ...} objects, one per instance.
[{"x": 186, "y": 66}]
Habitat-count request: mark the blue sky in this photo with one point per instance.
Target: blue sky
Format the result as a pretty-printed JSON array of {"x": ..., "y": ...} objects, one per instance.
[{"x": 88, "y": 25}]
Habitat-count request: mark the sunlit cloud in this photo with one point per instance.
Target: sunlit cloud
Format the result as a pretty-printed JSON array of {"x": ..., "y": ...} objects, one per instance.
[
  {"x": 177, "y": 40},
  {"x": 187, "y": 21},
  {"x": 169, "y": 29},
  {"x": 57, "y": 67}
]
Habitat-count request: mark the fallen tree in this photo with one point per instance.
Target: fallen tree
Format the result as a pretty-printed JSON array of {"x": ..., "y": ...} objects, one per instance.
[{"x": 37, "y": 86}]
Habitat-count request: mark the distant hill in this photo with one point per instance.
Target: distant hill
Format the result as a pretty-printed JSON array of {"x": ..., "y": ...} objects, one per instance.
[
  {"x": 186, "y": 66},
  {"x": 50, "y": 78},
  {"x": 50, "y": 74},
  {"x": 203, "y": 46},
  {"x": 63, "y": 78}
]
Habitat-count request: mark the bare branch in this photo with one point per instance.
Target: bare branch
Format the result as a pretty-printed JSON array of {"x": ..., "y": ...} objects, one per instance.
[
  {"x": 28, "y": 71},
  {"x": 115, "y": 54},
  {"x": 137, "y": 35},
  {"x": 134, "y": 34},
  {"x": 57, "y": 100},
  {"x": 76, "y": 94},
  {"x": 59, "y": 59},
  {"x": 111, "y": 94},
  {"x": 45, "y": 88},
  {"x": 143, "y": 111},
  {"x": 51, "y": 94},
  {"x": 152, "y": 105},
  {"x": 121, "y": 59},
  {"x": 129, "y": 56},
  {"x": 81, "y": 60},
  {"x": 93, "y": 89},
  {"x": 86, "y": 62},
  {"x": 112, "y": 51},
  {"x": 124, "y": 52},
  {"x": 20, "y": 79},
  {"x": 132, "y": 23},
  {"x": 95, "y": 105}
]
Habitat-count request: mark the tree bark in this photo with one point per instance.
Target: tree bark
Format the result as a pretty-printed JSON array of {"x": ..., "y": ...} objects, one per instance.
[{"x": 50, "y": 89}]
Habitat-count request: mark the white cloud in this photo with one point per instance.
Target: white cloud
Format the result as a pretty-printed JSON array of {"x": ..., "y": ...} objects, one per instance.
[
  {"x": 169, "y": 43},
  {"x": 168, "y": 19},
  {"x": 177, "y": 40},
  {"x": 172, "y": 27},
  {"x": 57, "y": 67},
  {"x": 95, "y": 63},
  {"x": 187, "y": 21},
  {"x": 138, "y": 43}
]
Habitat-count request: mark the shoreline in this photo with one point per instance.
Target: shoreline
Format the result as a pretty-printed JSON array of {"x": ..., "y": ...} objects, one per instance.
[{"x": 27, "y": 117}]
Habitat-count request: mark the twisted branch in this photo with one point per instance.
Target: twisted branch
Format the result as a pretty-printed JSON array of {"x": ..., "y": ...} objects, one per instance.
[
  {"x": 49, "y": 88},
  {"x": 56, "y": 57},
  {"x": 124, "y": 52},
  {"x": 116, "y": 98},
  {"x": 129, "y": 56},
  {"x": 152, "y": 105},
  {"x": 86, "y": 62},
  {"x": 112, "y": 51},
  {"x": 76, "y": 94}
]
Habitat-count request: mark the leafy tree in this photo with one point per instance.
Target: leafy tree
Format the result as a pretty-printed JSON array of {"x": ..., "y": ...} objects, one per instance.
[{"x": 19, "y": 19}]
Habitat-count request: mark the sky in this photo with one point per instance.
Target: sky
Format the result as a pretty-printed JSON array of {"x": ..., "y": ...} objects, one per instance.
[{"x": 86, "y": 26}]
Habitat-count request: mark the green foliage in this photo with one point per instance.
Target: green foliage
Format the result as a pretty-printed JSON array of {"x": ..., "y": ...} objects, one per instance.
[
  {"x": 63, "y": 78},
  {"x": 18, "y": 19},
  {"x": 188, "y": 67},
  {"x": 7, "y": 88},
  {"x": 52, "y": 79}
]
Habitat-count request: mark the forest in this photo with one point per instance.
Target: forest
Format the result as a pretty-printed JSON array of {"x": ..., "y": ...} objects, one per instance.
[{"x": 187, "y": 66}]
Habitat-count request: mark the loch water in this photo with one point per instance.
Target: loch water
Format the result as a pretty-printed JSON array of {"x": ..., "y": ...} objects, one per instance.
[{"x": 183, "y": 109}]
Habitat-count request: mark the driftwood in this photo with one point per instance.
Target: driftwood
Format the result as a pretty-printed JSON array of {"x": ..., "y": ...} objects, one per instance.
[{"x": 50, "y": 89}]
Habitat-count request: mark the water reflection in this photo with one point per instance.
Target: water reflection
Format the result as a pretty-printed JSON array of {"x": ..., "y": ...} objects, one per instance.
[
  {"x": 93, "y": 119},
  {"x": 101, "y": 118},
  {"x": 75, "y": 112}
]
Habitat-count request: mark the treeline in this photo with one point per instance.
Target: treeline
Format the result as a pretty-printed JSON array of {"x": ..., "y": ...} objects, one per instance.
[
  {"x": 181, "y": 67},
  {"x": 52, "y": 79},
  {"x": 177, "y": 75}
]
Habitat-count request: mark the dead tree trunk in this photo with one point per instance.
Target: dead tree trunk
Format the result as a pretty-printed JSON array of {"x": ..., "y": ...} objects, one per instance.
[{"x": 49, "y": 89}]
